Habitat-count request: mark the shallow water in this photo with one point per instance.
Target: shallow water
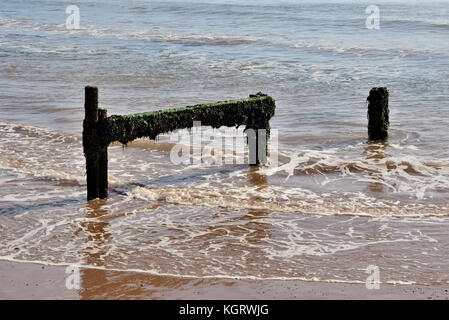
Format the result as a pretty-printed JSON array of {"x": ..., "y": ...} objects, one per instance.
[{"x": 335, "y": 204}]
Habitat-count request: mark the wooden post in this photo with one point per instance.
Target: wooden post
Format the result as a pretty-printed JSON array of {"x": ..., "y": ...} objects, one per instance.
[
  {"x": 378, "y": 113},
  {"x": 262, "y": 147},
  {"x": 90, "y": 141},
  {"x": 257, "y": 146},
  {"x": 251, "y": 135},
  {"x": 103, "y": 163}
]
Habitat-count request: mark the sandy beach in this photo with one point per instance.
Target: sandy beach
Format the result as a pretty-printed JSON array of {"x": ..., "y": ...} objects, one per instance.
[{"x": 34, "y": 281}]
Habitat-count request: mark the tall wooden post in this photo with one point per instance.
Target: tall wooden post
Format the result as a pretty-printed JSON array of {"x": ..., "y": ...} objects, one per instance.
[
  {"x": 90, "y": 141},
  {"x": 103, "y": 163},
  {"x": 378, "y": 113}
]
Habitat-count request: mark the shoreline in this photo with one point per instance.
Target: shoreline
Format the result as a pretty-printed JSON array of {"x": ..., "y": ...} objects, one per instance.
[{"x": 35, "y": 281}]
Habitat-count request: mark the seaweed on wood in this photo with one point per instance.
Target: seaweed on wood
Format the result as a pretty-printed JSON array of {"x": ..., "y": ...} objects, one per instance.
[
  {"x": 254, "y": 112},
  {"x": 99, "y": 130}
]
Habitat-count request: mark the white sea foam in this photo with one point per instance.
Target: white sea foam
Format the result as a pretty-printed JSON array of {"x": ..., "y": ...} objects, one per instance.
[{"x": 404, "y": 177}]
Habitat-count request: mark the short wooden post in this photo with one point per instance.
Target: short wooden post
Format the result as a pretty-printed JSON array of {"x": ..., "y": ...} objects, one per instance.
[
  {"x": 90, "y": 141},
  {"x": 378, "y": 113}
]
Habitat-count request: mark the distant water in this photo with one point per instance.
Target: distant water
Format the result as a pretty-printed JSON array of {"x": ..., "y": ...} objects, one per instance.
[{"x": 334, "y": 206}]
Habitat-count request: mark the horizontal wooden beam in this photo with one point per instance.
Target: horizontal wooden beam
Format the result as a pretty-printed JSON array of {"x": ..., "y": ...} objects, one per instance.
[{"x": 254, "y": 112}]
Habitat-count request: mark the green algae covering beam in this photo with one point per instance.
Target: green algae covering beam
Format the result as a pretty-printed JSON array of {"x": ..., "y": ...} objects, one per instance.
[{"x": 99, "y": 130}]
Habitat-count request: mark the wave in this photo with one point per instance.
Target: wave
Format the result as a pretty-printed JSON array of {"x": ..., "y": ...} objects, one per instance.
[
  {"x": 147, "y": 35},
  {"x": 213, "y": 277},
  {"x": 409, "y": 174},
  {"x": 42, "y": 153},
  {"x": 418, "y": 23},
  {"x": 359, "y": 51},
  {"x": 361, "y": 179},
  {"x": 286, "y": 200},
  {"x": 175, "y": 242}
]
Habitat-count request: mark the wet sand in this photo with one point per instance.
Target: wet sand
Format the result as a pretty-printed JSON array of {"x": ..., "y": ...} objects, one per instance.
[{"x": 34, "y": 281}]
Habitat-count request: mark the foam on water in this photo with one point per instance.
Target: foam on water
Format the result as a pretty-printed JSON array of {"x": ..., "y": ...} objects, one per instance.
[
  {"x": 181, "y": 243},
  {"x": 159, "y": 226},
  {"x": 355, "y": 179}
]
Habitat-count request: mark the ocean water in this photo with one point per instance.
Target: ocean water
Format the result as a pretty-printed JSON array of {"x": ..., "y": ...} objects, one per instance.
[{"x": 336, "y": 204}]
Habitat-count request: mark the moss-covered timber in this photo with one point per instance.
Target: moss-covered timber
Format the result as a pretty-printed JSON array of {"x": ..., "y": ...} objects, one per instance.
[
  {"x": 378, "y": 113},
  {"x": 99, "y": 130},
  {"x": 255, "y": 112}
]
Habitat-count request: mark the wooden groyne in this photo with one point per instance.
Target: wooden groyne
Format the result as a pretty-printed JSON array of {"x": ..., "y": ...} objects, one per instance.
[
  {"x": 99, "y": 130},
  {"x": 254, "y": 112}
]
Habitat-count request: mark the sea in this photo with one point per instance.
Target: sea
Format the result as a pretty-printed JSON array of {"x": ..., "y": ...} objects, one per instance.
[{"x": 335, "y": 206}]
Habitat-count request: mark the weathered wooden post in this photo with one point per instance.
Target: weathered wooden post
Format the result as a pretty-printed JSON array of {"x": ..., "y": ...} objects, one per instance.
[
  {"x": 102, "y": 162},
  {"x": 257, "y": 135},
  {"x": 378, "y": 113},
  {"x": 90, "y": 142}
]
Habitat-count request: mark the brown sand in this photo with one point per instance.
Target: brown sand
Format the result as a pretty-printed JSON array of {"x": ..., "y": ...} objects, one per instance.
[{"x": 34, "y": 281}]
